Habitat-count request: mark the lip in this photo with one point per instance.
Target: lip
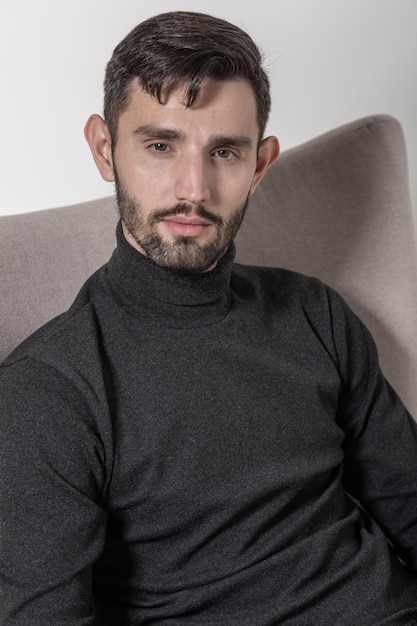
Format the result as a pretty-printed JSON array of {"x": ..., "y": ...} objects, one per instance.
[{"x": 185, "y": 226}]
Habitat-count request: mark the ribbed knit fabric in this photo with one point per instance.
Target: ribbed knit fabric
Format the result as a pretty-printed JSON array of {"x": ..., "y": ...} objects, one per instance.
[{"x": 178, "y": 448}]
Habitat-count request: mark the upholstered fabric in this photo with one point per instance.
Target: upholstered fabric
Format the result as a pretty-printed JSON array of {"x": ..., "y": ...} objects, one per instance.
[
  {"x": 45, "y": 256},
  {"x": 336, "y": 207}
]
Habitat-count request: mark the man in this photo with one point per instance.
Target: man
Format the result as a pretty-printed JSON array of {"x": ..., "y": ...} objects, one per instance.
[{"x": 198, "y": 442}]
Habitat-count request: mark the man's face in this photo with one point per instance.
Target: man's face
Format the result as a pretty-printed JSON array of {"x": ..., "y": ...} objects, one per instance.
[{"x": 184, "y": 175}]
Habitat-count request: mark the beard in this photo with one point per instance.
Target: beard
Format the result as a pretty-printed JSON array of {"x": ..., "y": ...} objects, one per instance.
[{"x": 181, "y": 254}]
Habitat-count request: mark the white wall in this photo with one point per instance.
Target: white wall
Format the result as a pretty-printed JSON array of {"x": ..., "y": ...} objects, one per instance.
[{"x": 330, "y": 61}]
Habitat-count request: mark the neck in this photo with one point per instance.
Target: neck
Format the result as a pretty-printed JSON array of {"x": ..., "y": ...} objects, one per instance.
[{"x": 147, "y": 289}]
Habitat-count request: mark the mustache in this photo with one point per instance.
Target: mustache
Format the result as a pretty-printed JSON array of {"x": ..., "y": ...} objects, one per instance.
[{"x": 186, "y": 209}]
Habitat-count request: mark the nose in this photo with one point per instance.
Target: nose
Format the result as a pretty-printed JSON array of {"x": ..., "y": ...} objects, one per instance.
[{"x": 192, "y": 180}]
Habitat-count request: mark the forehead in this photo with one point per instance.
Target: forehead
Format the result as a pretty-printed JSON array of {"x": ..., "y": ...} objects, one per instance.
[{"x": 222, "y": 106}]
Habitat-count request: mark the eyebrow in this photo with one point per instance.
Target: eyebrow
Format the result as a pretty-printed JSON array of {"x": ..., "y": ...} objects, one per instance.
[{"x": 148, "y": 131}]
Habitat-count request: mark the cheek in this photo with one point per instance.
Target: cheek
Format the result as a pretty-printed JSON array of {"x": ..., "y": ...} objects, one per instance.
[
  {"x": 234, "y": 188},
  {"x": 144, "y": 183}
]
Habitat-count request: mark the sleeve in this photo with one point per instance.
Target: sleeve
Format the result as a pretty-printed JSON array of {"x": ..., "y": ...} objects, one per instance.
[
  {"x": 380, "y": 445},
  {"x": 51, "y": 479}
]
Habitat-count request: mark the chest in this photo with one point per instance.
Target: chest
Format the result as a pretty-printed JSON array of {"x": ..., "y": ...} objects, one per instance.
[{"x": 202, "y": 415}]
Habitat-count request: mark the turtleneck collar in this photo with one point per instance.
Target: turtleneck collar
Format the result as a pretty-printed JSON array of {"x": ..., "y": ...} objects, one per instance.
[{"x": 178, "y": 298}]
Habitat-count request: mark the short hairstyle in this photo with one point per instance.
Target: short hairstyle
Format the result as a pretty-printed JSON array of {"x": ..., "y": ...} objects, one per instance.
[{"x": 182, "y": 47}]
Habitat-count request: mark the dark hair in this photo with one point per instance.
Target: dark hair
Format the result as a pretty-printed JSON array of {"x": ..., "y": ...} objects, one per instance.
[{"x": 180, "y": 47}]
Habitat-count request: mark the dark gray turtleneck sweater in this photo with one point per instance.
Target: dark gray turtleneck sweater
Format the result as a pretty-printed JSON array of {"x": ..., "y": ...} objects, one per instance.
[{"x": 176, "y": 449}]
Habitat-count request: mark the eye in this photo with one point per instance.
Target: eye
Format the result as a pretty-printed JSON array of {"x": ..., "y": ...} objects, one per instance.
[
  {"x": 159, "y": 147},
  {"x": 225, "y": 153}
]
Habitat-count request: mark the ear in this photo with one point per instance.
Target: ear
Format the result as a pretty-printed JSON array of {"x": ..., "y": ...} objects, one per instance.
[
  {"x": 99, "y": 140},
  {"x": 268, "y": 152}
]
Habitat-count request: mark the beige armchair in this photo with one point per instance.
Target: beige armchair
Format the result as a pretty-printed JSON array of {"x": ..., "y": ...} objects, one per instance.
[{"x": 337, "y": 207}]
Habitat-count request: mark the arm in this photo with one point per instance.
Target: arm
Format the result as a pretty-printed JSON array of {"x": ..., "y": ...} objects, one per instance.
[
  {"x": 51, "y": 480},
  {"x": 381, "y": 437}
]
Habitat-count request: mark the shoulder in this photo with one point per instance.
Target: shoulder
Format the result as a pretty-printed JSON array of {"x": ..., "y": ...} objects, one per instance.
[
  {"x": 55, "y": 367},
  {"x": 282, "y": 286},
  {"x": 55, "y": 380},
  {"x": 300, "y": 303},
  {"x": 61, "y": 358}
]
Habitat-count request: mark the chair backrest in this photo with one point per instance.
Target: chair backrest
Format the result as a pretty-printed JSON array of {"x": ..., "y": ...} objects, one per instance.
[{"x": 337, "y": 207}]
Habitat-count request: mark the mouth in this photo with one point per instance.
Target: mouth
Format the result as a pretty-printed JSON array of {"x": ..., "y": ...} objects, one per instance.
[{"x": 186, "y": 226}]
